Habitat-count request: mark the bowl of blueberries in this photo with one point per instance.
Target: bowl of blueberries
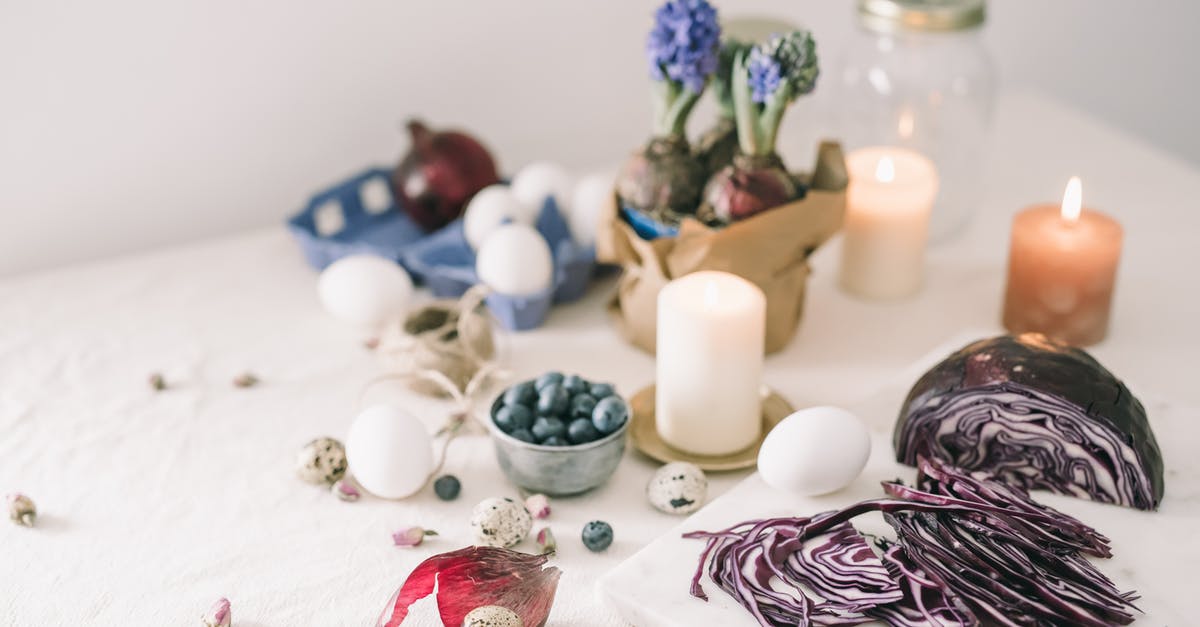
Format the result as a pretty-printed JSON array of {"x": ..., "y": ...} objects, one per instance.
[{"x": 559, "y": 435}]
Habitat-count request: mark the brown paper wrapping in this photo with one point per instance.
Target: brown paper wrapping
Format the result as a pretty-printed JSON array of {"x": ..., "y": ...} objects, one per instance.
[{"x": 770, "y": 250}]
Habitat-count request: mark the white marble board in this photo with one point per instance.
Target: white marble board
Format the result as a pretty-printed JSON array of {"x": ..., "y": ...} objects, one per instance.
[{"x": 1155, "y": 553}]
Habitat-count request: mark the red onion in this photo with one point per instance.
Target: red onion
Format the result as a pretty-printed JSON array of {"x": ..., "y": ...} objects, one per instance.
[
  {"x": 440, "y": 173},
  {"x": 474, "y": 577}
]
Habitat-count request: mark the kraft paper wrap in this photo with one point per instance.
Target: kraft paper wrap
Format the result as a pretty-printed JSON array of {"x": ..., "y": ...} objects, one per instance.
[{"x": 770, "y": 250}]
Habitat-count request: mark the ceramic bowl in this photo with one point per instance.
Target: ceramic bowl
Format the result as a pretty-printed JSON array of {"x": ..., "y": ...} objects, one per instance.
[{"x": 557, "y": 470}]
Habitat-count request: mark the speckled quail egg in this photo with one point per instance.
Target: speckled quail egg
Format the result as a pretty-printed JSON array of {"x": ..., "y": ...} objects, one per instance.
[
  {"x": 322, "y": 461},
  {"x": 500, "y": 522},
  {"x": 678, "y": 488},
  {"x": 492, "y": 616}
]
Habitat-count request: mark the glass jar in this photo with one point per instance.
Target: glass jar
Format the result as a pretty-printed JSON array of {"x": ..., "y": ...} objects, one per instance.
[{"x": 917, "y": 75}]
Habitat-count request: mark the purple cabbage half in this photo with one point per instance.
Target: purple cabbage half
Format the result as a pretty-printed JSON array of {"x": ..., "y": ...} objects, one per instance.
[
  {"x": 969, "y": 551},
  {"x": 1035, "y": 414}
]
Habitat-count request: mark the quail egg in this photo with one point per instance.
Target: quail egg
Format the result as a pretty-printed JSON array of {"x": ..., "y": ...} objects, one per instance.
[
  {"x": 492, "y": 616},
  {"x": 500, "y": 522},
  {"x": 677, "y": 488},
  {"x": 322, "y": 461}
]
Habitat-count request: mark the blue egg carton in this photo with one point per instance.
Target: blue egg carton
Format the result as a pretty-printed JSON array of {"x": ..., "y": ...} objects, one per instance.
[
  {"x": 447, "y": 263},
  {"x": 356, "y": 216},
  {"x": 361, "y": 216}
]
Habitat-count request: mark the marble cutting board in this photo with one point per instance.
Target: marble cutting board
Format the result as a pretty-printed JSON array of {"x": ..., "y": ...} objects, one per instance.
[{"x": 1155, "y": 553}]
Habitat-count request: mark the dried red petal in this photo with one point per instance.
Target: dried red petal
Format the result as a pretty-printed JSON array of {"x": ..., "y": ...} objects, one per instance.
[{"x": 476, "y": 576}]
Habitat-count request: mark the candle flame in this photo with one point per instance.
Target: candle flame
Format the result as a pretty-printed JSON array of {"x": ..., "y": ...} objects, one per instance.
[
  {"x": 906, "y": 125},
  {"x": 885, "y": 170},
  {"x": 710, "y": 295},
  {"x": 1072, "y": 203}
]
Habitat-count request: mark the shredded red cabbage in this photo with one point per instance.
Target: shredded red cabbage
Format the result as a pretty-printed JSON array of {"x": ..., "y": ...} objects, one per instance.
[
  {"x": 968, "y": 550},
  {"x": 925, "y": 601}
]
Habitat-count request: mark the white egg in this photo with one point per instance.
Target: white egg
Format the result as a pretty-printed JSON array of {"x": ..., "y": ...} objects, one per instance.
[
  {"x": 489, "y": 208},
  {"x": 389, "y": 451},
  {"x": 365, "y": 289},
  {"x": 592, "y": 200},
  {"x": 515, "y": 259},
  {"x": 815, "y": 451},
  {"x": 536, "y": 181}
]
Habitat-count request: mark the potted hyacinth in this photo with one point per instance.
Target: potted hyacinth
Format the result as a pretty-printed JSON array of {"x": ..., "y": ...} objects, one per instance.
[
  {"x": 763, "y": 82},
  {"x": 665, "y": 179},
  {"x": 661, "y": 231},
  {"x": 719, "y": 144}
]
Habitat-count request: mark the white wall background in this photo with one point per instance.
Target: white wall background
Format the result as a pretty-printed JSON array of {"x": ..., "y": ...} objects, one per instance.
[{"x": 128, "y": 124}]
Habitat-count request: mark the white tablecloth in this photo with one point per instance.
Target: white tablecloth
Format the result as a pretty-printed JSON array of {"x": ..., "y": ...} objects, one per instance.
[{"x": 153, "y": 504}]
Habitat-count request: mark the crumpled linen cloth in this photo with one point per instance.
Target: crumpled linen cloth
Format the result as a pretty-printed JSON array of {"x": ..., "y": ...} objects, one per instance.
[{"x": 154, "y": 504}]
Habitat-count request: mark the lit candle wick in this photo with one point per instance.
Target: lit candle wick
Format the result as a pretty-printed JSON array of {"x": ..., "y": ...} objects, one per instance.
[
  {"x": 1072, "y": 203},
  {"x": 885, "y": 170}
]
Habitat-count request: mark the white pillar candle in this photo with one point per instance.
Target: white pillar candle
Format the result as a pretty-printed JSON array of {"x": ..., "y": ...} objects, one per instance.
[
  {"x": 888, "y": 203},
  {"x": 711, "y": 331}
]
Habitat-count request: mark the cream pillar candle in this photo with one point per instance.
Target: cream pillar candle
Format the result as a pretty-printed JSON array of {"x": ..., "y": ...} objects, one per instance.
[
  {"x": 1062, "y": 268},
  {"x": 711, "y": 331},
  {"x": 888, "y": 203}
]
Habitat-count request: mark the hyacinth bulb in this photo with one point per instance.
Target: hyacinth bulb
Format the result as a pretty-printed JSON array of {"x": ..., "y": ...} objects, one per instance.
[
  {"x": 718, "y": 145},
  {"x": 474, "y": 577},
  {"x": 440, "y": 173},
  {"x": 751, "y": 185},
  {"x": 663, "y": 177}
]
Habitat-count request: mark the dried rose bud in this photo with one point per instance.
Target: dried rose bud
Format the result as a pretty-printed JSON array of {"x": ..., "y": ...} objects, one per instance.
[
  {"x": 411, "y": 536},
  {"x": 157, "y": 382},
  {"x": 245, "y": 380},
  {"x": 371, "y": 344},
  {"x": 538, "y": 505},
  {"x": 21, "y": 509},
  {"x": 344, "y": 489},
  {"x": 218, "y": 615},
  {"x": 476, "y": 576},
  {"x": 545, "y": 541}
]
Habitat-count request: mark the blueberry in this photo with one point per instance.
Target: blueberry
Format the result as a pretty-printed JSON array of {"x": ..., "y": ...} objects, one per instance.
[
  {"x": 574, "y": 384},
  {"x": 447, "y": 487},
  {"x": 521, "y": 394},
  {"x": 601, "y": 390},
  {"x": 554, "y": 441},
  {"x": 582, "y": 406},
  {"x": 512, "y": 417},
  {"x": 524, "y": 435},
  {"x": 553, "y": 400},
  {"x": 597, "y": 535},
  {"x": 581, "y": 430},
  {"x": 548, "y": 427},
  {"x": 550, "y": 378},
  {"x": 610, "y": 414}
]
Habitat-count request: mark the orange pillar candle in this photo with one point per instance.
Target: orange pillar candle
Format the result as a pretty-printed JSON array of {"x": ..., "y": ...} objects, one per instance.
[{"x": 1062, "y": 266}]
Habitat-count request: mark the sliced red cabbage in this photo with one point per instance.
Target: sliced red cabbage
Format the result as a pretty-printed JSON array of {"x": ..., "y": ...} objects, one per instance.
[
  {"x": 1035, "y": 414},
  {"x": 827, "y": 578},
  {"x": 968, "y": 551},
  {"x": 925, "y": 603},
  {"x": 938, "y": 483}
]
